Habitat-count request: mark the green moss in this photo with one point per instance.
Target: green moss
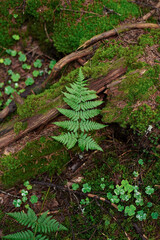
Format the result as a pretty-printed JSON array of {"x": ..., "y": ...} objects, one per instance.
[
  {"x": 18, "y": 126},
  {"x": 150, "y": 38},
  {"x": 36, "y": 158},
  {"x": 73, "y": 28},
  {"x": 121, "y": 108},
  {"x": 8, "y": 26},
  {"x": 141, "y": 118}
]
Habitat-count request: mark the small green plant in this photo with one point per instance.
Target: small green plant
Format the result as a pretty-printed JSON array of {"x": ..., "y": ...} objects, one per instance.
[
  {"x": 7, "y": 61},
  {"x": 16, "y": 37},
  {"x": 79, "y": 99},
  {"x": 37, "y": 63},
  {"x": 35, "y": 73},
  {"x": 29, "y": 81},
  {"x": 43, "y": 224},
  {"x": 22, "y": 57},
  {"x": 40, "y": 226}
]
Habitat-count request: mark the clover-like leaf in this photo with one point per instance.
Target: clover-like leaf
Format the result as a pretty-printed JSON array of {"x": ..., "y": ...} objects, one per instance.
[
  {"x": 114, "y": 199},
  {"x": 111, "y": 186},
  {"x": 15, "y": 15},
  {"x": 15, "y": 77},
  {"x": 130, "y": 210},
  {"x": 75, "y": 186},
  {"x": 139, "y": 202},
  {"x": 7, "y": 61},
  {"x": 29, "y": 81},
  {"x": 10, "y": 72},
  {"x": 102, "y": 185},
  {"x": 52, "y": 63},
  {"x": 136, "y": 174},
  {"x": 27, "y": 185},
  {"x": 38, "y": 63},
  {"x": 24, "y": 192},
  {"x": 1, "y": 84},
  {"x": 24, "y": 199},
  {"x": 26, "y": 66},
  {"x": 1, "y": 60},
  {"x": 16, "y": 37},
  {"x": 141, "y": 215},
  {"x": 125, "y": 197},
  {"x": 35, "y": 73},
  {"x": 149, "y": 190},
  {"x": 82, "y": 202},
  {"x": 27, "y": 206},
  {"x": 34, "y": 199},
  {"x": 22, "y": 57},
  {"x": 140, "y": 161},
  {"x": 17, "y": 202},
  {"x": 109, "y": 195},
  {"x": 86, "y": 188},
  {"x": 149, "y": 204},
  {"x": 120, "y": 208},
  {"x": 11, "y": 52},
  {"x": 8, "y": 90},
  {"x": 154, "y": 215}
]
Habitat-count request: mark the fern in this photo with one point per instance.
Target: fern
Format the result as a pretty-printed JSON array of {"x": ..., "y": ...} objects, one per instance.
[
  {"x": 80, "y": 100},
  {"x": 43, "y": 224}
]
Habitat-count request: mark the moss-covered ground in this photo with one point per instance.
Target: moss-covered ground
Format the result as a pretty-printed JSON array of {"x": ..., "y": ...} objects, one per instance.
[{"x": 130, "y": 142}]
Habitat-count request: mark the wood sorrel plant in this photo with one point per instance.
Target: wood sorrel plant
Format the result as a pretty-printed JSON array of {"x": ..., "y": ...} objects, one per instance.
[{"x": 79, "y": 98}]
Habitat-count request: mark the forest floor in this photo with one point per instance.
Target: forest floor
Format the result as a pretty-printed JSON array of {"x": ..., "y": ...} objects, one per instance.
[{"x": 127, "y": 155}]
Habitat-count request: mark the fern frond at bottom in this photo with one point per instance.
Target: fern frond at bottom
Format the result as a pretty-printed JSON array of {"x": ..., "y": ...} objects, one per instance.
[
  {"x": 26, "y": 235},
  {"x": 68, "y": 139},
  {"x": 87, "y": 142}
]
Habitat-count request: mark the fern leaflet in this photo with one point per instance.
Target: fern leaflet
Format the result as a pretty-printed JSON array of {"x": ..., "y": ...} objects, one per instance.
[
  {"x": 87, "y": 126},
  {"x": 69, "y": 125},
  {"x": 87, "y": 142},
  {"x": 27, "y": 219},
  {"x": 68, "y": 139},
  {"x": 26, "y": 235}
]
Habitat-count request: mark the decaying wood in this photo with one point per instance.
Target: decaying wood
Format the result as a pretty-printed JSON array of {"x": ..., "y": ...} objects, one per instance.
[
  {"x": 115, "y": 31},
  {"x": 67, "y": 59},
  {"x": 9, "y": 136},
  {"x": 17, "y": 98},
  {"x": 152, "y": 12},
  {"x": 85, "y": 50}
]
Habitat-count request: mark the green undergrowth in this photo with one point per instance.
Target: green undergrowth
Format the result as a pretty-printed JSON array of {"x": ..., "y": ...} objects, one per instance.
[
  {"x": 106, "y": 171},
  {"x": 135, "y": 88},
  {"x": 36, "y": 158},
  {"x": 75, "y": 27},
  {"x": 9, "y": 24}
]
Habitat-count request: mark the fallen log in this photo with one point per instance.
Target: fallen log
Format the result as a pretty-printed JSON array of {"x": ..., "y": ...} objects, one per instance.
[{"x": 8, "y": 136}]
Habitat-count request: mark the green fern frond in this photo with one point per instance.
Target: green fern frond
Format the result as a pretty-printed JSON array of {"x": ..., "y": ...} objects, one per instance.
[
  {"x": 27, "y": 219},
  {"x": 80, "y": 76},
  {"x": 83, "y": 105},
  {"x": 68, "y": 139},
  {"x": 90, "y": 104},
  {"x": 40, "y": 237},
  {"x": 86, "y": 142},
  {"x": 75, "y": 116},
  {"x": 47, "y": 225},
  {"x": 69, "y": 125},
  {"x": 87, "y": 126},
  {"x": 72, "y": 97},
  {"x": 79, "y": 99},
  {"x": 26, "y": 235}
]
